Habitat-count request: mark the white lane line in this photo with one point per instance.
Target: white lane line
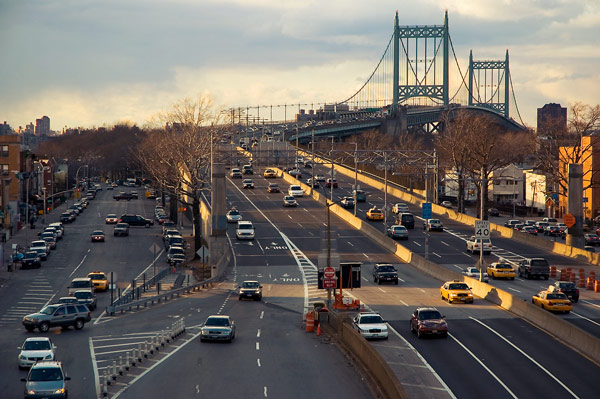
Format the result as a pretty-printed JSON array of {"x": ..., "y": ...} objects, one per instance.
[
  {"x": 585, "y": 318},
  {"x": 258, "y": 333},
  {"x": 512, "y": 289},
  {"x": 258, "y": 362},
  {"x": 527, "y": 356},
  {"x": 260, "y": 246},
  {"x": 458, "y": 267},
  {"x": 265, "y": 392},
  {"x": 257, "y": 346},
  {"x": 511, "y": 393},
  {"x": 445, "y": 243},
  {"x": 365, "y": 279},
  {"x": 416, "y": 243},
  {"x": 402, "y": 302},
  {"x": 350, "y": 243},
  {"x": 366, "y": 256},
  {"x": 262, "y": 313},
  {"x": 95, "y": 368},
  {"x": 431, "y": 370},
  {"x": 422, "y": 290},
  {"x": 381, "y": 289},
  {"x": 589, "y": 303},
  {"x": 439, "y": 256}
]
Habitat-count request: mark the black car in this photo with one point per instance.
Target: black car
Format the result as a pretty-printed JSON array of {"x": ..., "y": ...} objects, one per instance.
[
  {"x": 123, "y": 196},
  {"x": 66, "y": 217},
  {"x": 31, "y": 259},
  {"x": 566, "y": 287},
  {"x": 347, "y": 202},
  {"x": 406, "y": 219},
  {"x": 385, "y": 272},
  {"x": 136, "y": 220},
  {"x": 493, "y": 212}
]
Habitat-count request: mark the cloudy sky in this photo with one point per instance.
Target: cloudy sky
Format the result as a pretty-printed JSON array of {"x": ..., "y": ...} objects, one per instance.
[{"x": 97, "y": 62}]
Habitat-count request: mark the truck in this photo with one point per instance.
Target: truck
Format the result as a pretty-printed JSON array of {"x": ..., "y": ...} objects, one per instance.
[{"x": 534, "y": 267}]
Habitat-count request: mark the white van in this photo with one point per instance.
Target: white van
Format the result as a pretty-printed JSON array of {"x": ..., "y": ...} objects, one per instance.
[{"x": 295, "y": 191}]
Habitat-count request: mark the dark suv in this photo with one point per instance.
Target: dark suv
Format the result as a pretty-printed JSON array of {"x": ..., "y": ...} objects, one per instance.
[
  {"x": 46, "y": 379},
  {"x": 136, "y": 220},
  {"x": 406, "y": 219},
  {"x": 58, "y": 315},
  {"x": 534, "y": 267},
  {"x": 566, "y": 287},
  {"x": 385, "y": 272}
]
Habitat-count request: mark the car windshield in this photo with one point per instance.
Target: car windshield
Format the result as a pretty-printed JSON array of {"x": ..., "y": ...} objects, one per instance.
[
  {"x": 111, "y": 215},
  {"x": 289, "y": 198},
  {"x": 556, "y": 296},
  {"x": 48, "y": 310},
  {"x": 97, "y": 233},
  {"x": 217, "y": 321},
  {"x": 387, "y": 268},
  {"x": 97, "y": 276},
  {"x": 234, "y": 213},
  {"x": 82, "y": 295},
  {"x": 399, "y": 228},
  {"x": 273, "y": 185},
  {"x": 30, "y": 255},
  {"x": 45, "y": 374},
  {"x": 37, "y": 345},
  {"x": 371, "y": 319},
  {"x": 250, "y": 284},
  {"x": 78, "y": 284},
  {"x": 459, "y": 286},
  {"x": 121, "y": 225},
  {"x": 430, "y": 315},
  {"x": 434, "y": 221},
  {"x": 566, "y": 285},
  {"x": 176, "y": 250},
  {"x": 503, "y": 266}
]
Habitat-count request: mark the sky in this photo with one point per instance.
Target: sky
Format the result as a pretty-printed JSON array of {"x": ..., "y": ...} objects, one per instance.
[{"x": 87, "y": 63}]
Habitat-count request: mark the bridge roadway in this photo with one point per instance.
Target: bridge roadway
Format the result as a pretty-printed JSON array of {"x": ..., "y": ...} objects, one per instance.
[
  {"x": 448, "y": 248},
  {"x": 271, "y": 355},
  {"x": 490, "y": 353}
]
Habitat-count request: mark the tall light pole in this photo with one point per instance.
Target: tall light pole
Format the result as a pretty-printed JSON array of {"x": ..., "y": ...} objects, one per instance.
[
  {"x": 355, "y": 175},
  {"x": 77, "y": 180}
]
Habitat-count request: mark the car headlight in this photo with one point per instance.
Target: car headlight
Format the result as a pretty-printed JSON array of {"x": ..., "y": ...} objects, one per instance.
[
  {"x": 31, "y": 392},
  {"x": 204, "y": 332},
  {"x": 452, "y": 294},
  {"x": 60, "y": 390},
  {"x": 22, "y": 357},
  {"x": 28, "y": 319},
  {"x": 469, "y": 294}
]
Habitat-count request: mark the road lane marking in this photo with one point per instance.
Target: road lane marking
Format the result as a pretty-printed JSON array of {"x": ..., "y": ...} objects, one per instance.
[
  {"x": 445, "y": 243},
  {"x": 350, "y": 243},
  {"x": 439, "y": 256},
  {"x": 422, "y": 290},
  {"x": 402, "y": 302},
  {"x": 381, "y": 289},
  {"x": 512, "y": 289},
  {"x": 527, "y": 356},
  {"x": 484, "y": 366},
  {"x": 365, "y": 279},
  {"x": 585, "y": 318},
  {"x": 416, "y": 243},
  {"x": 258, "y": 333},
  {"x": 257, "y": 346},
  {"x": 95, "y": 368},
  {"x": 589, "y": 303},
  {"x": 258, "y": 362},
  {"x": 262, "y": 313},
  {"x": 265, "y": 392},
  {"x": 366, "y": 256},
  {"x": 458, "y": 267}
]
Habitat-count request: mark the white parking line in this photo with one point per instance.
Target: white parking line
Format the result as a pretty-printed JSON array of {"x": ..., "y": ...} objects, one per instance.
[
  {"x": 381, "y": 289},
  {"x": 527, "y": 356},
  {"x": 402, "y": 302}
]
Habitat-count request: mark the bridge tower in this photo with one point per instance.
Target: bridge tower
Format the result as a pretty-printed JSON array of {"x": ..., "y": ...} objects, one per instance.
[
  {"x": 421, "y": 76},
  {"x": 495, "y": 99}
]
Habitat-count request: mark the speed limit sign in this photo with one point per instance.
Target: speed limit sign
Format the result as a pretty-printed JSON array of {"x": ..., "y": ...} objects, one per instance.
[{"x": 482, "y": 229}]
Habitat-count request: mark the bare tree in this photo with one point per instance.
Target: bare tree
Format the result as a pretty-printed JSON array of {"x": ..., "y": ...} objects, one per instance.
[{"x": 178, "y": 156}]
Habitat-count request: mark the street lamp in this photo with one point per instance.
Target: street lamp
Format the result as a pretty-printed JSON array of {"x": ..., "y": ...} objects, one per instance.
[
  {"x": 355, "y": 175},
  {"x": 77, "y": 180}
]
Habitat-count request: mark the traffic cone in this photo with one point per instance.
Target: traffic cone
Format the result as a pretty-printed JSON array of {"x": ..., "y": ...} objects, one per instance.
[{"x": 319, "y": 329}]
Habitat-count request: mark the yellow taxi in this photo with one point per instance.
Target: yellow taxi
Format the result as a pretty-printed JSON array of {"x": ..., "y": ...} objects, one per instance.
[
  {"x": 99, "y": 280},
  {"x": 501, "y": 270},
  {"x": 456, "y": 291},
  {"x": 374, "y": 214},
  {"x": 269, "y": 173},
  {"x": 552, "y": 301}
]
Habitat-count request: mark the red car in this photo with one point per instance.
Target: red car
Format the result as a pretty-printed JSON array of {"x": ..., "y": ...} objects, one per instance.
[
  {"x": 97, "y": 235},
  {"x": 328, "y": 183},
  {"x": 428, "y": 321}
]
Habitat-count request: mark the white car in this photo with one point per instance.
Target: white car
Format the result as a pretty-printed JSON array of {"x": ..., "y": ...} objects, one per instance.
[
  {"x": 289, "y": 200},
  {"x": 447, "y": 204},
  {"x": 295, "y": 191},
  {"x": 35, "y": 349},
  {"x": 400, "y": 208},
  {"x": 476, "y": 244},
  {"x": 371, "y": 325},
  {"x": 40, "y": 244},
  {"x": 60, "y": 230},
  {"x": 474, "y": 272},
  {"x": 245, "y": 230},
  {"x": 233, "y": 216}
]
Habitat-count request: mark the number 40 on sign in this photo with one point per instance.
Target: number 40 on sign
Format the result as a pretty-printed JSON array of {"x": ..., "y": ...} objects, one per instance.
[{"x": 482, "y": 229}]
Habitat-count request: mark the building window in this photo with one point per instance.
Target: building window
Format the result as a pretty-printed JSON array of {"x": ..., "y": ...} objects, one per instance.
[
  {"x": 4, "y": 151},
  {"x": 4, "y": 169}
]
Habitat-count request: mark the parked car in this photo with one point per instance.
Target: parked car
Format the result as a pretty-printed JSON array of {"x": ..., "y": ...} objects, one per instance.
[
  {"x": 428, "y": 321},
  {"x": 175, "y": 253},
  {"x": 370, "y": 325},
  {"x": 35, "y": 349},
  {"x": 446, "y": 204},
  {"x": 66, "y": 217},
  {"x": 217, "y": 328},
  {"x": 44, "y": 377},
  {"x": 31, "y": 259},
  {"x": 58, "y": 315}
]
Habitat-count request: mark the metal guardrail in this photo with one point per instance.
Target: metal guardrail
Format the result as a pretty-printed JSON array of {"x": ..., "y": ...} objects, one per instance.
[
  {"x": 111, "y": 309},
  {"x": 137, "y": 291}
]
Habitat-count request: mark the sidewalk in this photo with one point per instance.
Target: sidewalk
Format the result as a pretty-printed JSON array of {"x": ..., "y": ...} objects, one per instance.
[{"x": 24, "y": 237}]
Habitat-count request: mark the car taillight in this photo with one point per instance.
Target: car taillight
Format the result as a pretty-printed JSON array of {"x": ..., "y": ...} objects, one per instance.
[{"x": 577, "y": 290}]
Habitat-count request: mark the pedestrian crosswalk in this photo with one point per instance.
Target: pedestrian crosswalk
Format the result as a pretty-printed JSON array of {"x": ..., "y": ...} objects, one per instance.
[{"x": 38, "y": 294}]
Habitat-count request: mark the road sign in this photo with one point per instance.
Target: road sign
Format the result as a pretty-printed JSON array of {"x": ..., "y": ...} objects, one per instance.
[
  {"x": 154, "y": 248},
  {"x": 482, "y": 229},
  {"x": 203, "y": 253},
  {"x": 329, "y": 283},
  {"x": 569, "y": 220},
  {"x": 329, "y": 273},
  {"x": 585, "y": 199},
  {"x": 426, "y": 209},
  {"x": 549, "y": 202}
]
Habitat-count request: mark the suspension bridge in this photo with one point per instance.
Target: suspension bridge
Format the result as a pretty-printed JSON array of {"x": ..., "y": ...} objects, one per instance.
[{"x": 417, "y": 79}]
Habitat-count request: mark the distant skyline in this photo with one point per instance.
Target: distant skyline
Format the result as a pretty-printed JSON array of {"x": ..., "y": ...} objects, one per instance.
[{"x": 87, "y": 63}]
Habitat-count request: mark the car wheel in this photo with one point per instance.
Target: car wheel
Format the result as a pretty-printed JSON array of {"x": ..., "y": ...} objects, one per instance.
[
  {"x": 79, "y": 324},
  {"x": 44, "y": 327},
  {"x": 147, "y": 225},
  {"x": 378, "y": 282},
  {"x": 545, "y": 277}
]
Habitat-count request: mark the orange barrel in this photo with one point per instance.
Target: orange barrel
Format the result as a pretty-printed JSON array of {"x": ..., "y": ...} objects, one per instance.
[
  {"x": 581, "y": 271},
  {"x": 593, "y": 274},
  {"x": 563, "y": 272},
  {"x": 573, "y": 278},
  {"x": 590, "y": 283},
  {"x": 581, "y": 282},
  {"x": 553, "y": 271},
  {"x": 310, "y": 322},
  {"x": 597, "y": 286},
  {"x": 569, "y": 269}
]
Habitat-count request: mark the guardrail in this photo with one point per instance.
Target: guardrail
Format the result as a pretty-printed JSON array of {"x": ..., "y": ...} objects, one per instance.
[{"x": 130, "y": 296}]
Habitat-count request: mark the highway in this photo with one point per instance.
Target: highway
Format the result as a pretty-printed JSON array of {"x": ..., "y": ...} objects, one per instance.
[
  {"x": 448, "y": 248},
  {"x": 489, "y": 353}
]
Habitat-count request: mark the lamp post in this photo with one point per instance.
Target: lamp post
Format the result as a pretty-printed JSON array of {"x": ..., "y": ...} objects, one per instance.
[
  {"x": 77, "y": 180},
  {"x": 355, "y": 175}
]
